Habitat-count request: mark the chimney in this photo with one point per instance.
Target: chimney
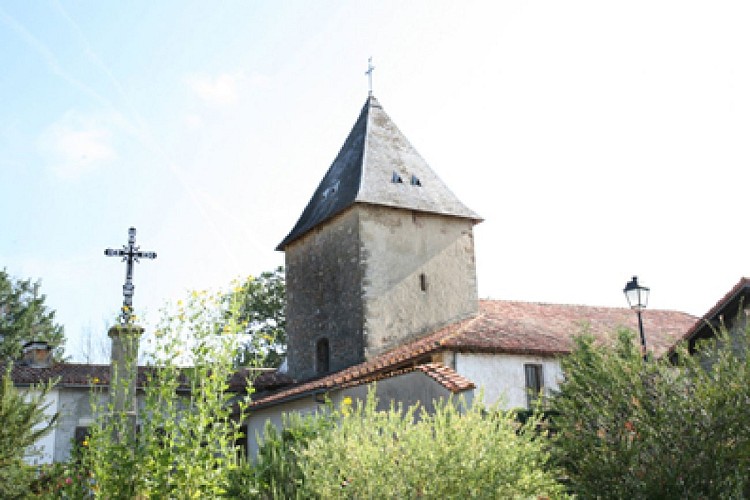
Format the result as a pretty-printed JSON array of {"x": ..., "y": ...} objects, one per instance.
[{"x": 37, "y": 354}]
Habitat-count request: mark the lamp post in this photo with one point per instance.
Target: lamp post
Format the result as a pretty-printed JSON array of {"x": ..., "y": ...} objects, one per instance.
[{"x": 637, "y": 296}]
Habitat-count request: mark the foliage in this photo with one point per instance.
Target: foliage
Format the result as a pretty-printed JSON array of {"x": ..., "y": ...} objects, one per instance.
[
  {"x": 186, "y": 446},
  {"x": 24, "y": 317},
  {"x": 63, "y": 480},
  {"x": 653, "y": 429},
  {"x": 453, "y": 452},
  {"x": 262, "y": 302},
  {"x": 276, "y": 472},
  {"x": 22, "y": 422}
]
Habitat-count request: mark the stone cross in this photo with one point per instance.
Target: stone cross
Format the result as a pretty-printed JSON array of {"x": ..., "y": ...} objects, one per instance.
[
  {"x": 369, "y": 71},
  {"x": 130, "y": 253}
]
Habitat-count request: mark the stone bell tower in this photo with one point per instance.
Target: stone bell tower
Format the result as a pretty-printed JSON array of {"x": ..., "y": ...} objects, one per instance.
[{"x": 383, "y": 253}]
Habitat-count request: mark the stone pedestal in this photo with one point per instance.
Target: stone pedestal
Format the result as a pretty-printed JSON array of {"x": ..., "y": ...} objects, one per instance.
[{"x": 124, "y": 374}]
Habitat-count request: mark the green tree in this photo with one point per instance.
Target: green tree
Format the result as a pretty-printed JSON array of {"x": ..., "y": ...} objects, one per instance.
[
  {"x": 187, "y": 443},
  {"x": 23, "y": 422},
  {"x": 629, "y": 428},
  {"x": 262, "y": 303},
  {"x": 24, "y": 317}
]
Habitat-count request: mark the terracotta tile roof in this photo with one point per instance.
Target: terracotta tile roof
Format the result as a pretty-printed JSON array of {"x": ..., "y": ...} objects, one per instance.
[
  {"x": 547, "y": 329},
  {"x": 365, "y": 373},
  {"x": 79, "y": 375},
  {"x": 446, "y": 377},
  {"x": 69, "y": 374},
  {"x": 500, "y": 327}
]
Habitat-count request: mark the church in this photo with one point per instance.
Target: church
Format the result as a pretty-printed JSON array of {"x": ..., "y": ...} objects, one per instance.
[{"x": 382, "y": 287}]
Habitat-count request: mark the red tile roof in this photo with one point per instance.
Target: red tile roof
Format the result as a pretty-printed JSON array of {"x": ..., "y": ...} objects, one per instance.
[
  {"x": 79, "y": 375},
  {"x": 69, "y": 374},
  {"x": 501, "y": 327},
  {"x": 547, "y": 329},
  {"x": 365, "y": 373}
]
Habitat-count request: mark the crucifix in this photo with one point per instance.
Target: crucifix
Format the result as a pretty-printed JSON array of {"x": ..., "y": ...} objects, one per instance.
[
  {"x": 130, "y": 253},
  {"x": 370, "y": 68}
]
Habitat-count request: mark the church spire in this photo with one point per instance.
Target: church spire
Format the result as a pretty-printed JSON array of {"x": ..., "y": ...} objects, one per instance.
[{"x": 377, "y": 165}]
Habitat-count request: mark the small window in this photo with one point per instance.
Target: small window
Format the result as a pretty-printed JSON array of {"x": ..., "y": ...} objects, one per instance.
[
  {"x": 423, "y": 282},
  {"x": 330, "y": 190},
  {"x": 415, "y": 181},
  {"x": 81, "y": 434},
  {"x": 322, "y": 357},
  {"x": 396, "y": 179},
  {"x": 534, "y": 384}
]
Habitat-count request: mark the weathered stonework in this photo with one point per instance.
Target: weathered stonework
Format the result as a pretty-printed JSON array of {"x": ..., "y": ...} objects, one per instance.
[
  {"x": 404, "y": 251},
  {"x": 372, "y": 278},
  {"x": 324, "y": 296},
  {"x": 383, "y": 252}
]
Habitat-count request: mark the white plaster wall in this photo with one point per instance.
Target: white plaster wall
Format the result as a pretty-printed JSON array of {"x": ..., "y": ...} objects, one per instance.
[
  {"x": 44, "y": 450},
  {"x": 502, "y": 376}
]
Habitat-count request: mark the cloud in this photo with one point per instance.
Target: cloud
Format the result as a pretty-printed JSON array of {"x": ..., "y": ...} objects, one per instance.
[
  {"x": 220, "y": 90},
  {"x": 76, "y": 145}
]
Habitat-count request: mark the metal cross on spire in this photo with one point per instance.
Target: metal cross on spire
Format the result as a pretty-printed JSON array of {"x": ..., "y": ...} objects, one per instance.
[
  {"x": 130, "y": 253},
  {"x": 369, "y": 71}
]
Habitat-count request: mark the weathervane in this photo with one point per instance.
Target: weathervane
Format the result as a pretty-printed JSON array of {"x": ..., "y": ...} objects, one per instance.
[
  {"x": 130, "y": 253},
  {"x": 370, "y": 68}
]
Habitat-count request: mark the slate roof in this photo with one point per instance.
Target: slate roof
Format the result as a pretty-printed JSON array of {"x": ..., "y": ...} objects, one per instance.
[
  {"x": 501, "y": 327},
  {"x": 374, "y": 155}
]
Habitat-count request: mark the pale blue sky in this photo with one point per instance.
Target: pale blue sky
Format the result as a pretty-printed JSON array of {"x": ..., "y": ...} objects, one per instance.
[{"x": 597, "y": 139}]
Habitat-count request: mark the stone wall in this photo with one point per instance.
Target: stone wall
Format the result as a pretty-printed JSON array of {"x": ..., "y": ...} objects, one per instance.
[
  {"x": 372, "y": 278},
  {"x": 419, "y": 274},
  {"x": 324, "y": 296}
]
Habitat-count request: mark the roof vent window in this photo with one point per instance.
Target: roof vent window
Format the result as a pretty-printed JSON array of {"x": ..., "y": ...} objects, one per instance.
[
  {"x": 330, "y": 190},
  {"x": 415, "y": 181},
  {"x": 396, "y": 179}
]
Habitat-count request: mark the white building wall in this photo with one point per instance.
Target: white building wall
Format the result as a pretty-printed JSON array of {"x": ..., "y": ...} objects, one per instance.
[
  {"x": 502, "y": 377},
  {"x": 43, "y": 451}
]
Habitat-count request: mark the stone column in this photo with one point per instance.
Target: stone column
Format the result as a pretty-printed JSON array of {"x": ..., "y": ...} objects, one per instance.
[{"x": 123, "y": 375}]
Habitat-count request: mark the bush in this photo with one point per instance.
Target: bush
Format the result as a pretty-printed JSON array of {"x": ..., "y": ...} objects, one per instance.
[
  {"x": 22, "y": 423},
  {"x": 407, "y": 453},
  {"x": 654, "y": 429},
  {"x": 186, "y": 446},
  {"x": 276, "y": 472}
]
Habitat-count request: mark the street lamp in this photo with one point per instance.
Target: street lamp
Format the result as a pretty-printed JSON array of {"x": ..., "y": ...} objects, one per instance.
[{"x": 637, "y": 296}]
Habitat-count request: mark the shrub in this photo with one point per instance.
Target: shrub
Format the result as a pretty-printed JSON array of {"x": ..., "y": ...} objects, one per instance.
[
  {"x": 22, "y": 423},
  {"x": 186, "y": 446},
  {"x": 629, "y": 427},
  {"x": 454, "y": 452}
]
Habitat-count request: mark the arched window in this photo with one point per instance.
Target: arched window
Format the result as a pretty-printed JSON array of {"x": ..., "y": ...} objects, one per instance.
[{"x": 322, "y": 357}]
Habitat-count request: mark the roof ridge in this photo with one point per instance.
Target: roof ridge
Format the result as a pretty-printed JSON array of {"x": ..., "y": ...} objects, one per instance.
[
  {"x": 462, "y": 327},
  {"x": 587, "y": 306}
]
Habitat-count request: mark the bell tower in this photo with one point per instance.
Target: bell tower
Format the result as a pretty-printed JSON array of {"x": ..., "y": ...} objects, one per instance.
[{"x": 383, "y": 253}]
